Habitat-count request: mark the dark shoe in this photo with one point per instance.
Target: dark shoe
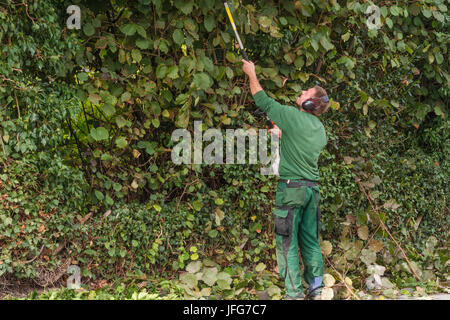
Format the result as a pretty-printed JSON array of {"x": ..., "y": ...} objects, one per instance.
[
  {"x": 299, "y": 296},
  {"x": 316, "y": 294}
]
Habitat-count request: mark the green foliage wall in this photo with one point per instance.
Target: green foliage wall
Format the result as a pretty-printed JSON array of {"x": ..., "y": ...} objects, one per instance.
[{"x": 100, "y": 104}]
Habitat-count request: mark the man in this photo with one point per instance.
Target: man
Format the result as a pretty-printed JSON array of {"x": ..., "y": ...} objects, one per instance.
[{"x": 296, "y": 213}]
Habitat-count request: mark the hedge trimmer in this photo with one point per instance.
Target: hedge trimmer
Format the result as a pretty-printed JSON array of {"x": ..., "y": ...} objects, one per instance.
[
  {"x": 241, "y": 46},
  {"x": 244, "y": 55}
]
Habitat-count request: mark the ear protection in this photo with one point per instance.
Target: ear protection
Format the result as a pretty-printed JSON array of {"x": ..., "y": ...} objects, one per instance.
[{"x": 310, "y": 104}]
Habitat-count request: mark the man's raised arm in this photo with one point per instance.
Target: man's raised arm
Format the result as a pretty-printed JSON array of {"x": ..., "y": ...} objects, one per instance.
[
  {"x": 249, "y": 69},
  {"x": 274, "y": 110}
]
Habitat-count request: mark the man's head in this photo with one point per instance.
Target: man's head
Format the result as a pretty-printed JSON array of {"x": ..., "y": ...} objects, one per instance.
[{"x": 315, "y": 93}]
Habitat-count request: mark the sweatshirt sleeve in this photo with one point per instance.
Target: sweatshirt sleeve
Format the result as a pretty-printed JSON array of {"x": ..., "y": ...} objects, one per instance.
[{"x": 279, "y": 114}]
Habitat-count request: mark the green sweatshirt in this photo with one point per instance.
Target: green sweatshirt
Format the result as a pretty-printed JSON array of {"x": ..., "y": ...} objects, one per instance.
[{"x": 302, "y": 141}]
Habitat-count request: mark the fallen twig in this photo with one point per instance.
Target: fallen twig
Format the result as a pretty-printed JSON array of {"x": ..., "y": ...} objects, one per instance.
[
  {"x": 342, "y": 279},
  {"x": 363, "y": 190}
]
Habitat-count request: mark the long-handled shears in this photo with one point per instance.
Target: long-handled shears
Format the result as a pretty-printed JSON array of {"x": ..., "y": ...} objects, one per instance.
[
  {"x": 244, "y": 55},
  {"x": 241, "y": 46}
]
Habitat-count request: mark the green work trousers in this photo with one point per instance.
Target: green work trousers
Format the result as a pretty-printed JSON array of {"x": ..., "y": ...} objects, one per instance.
[{"x": 296, "y": 219}]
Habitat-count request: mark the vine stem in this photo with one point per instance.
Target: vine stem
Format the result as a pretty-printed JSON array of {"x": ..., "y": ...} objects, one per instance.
[
  {"x": 363, "y": 190},
  {"x": 371, "y": 237},
  {"x": 17, "y": 104},
  {"x": 3, "y": 146},
  {"x": 342, "y": 279}
]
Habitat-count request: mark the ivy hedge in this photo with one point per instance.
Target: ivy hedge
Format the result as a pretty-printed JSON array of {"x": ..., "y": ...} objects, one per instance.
[{"x": 87, "y": 117}]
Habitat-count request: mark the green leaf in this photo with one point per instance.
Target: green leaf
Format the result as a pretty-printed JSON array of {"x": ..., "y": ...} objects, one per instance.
[
  {"x": 185, "y": 6},
  {"x": 219, "y": 216},
  {"x": 439, "y": 57},
  {"x": 326, "y": 43},
  {"x": 426, "y": 13},
  {"x": 94, "y": 99},
  {"x": 121, "y": 122},
  {"x": 194, "y": 256},
  {"x": 224, "y": 280},
  {"x": 117, "y": 186},
  {"x": 210, "y": 23},
  {"x": 163, "y": 46},
  {"x": 189, "y": 279},
  {"x": 327, "y": 247},
  {"x": 389, "y": 23},
  {"x": 99, "y": 133},
  {"x": 166, "y": 114},
  {"x": 128, "y": 29},
  {"x": 136, "y": 55},
  {"x": 155, "y": 122},
  {"x": 414, "y": 9},
  {"x": 161, "y": 71},
  {"x": 273, "y": 290},
  {"x": 88, "y": 29},
  {"x": 106, "y": 157},
  {"x": 194, "y": 267},
  {"x": 99, "y": 195},
  {"x": 363, "y": 232},
  {"x": 172, "y": 72},
  {"x": 178, "y": 36},
  {"x": 109, "y": 200},
  {"x": 368, "y": 256},
  {"x": 430, "y": 57},
  {"x": 209, "y": 65},
  {"x": 315, "y": 44},
  {"x": 395, "y": 11},
  {"x": 202, "y": 81},
  {"x": 141, "y": 31},
  {"x": 260, "y": 267},
  {"x": 143, "y": 43},
  {"x": 231, "y": 57},
  {"x": 197, "y": 204},
  {"x": 108, "y": 109},
  {"x": 346, "y": 36},
  {"x": 264, "y": 21},
  {"x": 328, "y": 280},
  {"x": 224, "y": 285},
  {"x": 121, "y": 142},
  {"x": 82, "y": 76},
  {"x": 209, "y": 276},
  {"x": 437, "y": 110},
  {"x": 183, "y": 116},
  {"x": 213, "y": 233}
]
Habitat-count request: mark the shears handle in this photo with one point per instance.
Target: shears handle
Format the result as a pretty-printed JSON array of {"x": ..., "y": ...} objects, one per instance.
[{"x": 244, "y": 55}]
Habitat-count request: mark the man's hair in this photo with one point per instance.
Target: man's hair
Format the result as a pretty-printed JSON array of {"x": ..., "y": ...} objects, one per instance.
[{"x": 322, "y": 107}]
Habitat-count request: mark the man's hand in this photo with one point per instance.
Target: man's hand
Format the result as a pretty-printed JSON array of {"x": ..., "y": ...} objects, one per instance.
[
  {"x": 249, "y": 68},
  {"x": 275, "y": 131}
]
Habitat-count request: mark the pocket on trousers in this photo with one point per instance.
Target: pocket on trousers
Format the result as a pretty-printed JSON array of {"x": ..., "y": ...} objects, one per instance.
[
  {"x": 282, "y": 223},
  {"x": 294, "y": 196}
]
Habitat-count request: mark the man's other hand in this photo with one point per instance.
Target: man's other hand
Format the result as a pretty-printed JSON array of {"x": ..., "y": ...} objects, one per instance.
[
  {"x": 248, "y": 67},
  {"x": 275, "y": 131}
]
